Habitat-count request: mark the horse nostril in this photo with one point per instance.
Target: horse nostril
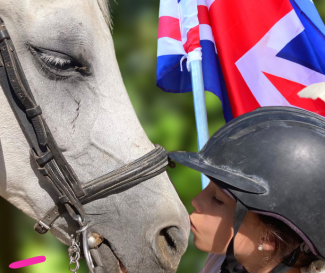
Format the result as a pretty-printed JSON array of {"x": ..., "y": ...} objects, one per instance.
[
  {"x": 170, "y": 245},
  {"x": 167, "y": 239}
]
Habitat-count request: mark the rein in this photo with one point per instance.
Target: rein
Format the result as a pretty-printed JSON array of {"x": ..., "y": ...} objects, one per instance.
[{"x": 53, "y": 166}]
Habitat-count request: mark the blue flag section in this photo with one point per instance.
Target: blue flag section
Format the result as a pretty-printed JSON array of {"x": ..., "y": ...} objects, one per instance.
[
  {"x": 308, "y": 48},
  {"x": 170, "y": 78}
]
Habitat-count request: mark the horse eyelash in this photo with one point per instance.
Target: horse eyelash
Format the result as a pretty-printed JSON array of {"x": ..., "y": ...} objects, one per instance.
[
  {"x": 57, "y": 61},
  {"x": 54, "y": 60}
]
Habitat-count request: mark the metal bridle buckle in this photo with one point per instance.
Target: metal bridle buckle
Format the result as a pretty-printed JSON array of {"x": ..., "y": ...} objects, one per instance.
[{"x": 43, "y": 225}]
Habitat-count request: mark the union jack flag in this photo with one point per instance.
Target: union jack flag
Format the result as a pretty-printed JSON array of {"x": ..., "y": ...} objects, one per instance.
[{"x": 255, "y": 53}]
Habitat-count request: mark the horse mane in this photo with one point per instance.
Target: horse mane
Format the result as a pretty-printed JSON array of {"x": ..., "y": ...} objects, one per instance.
[{"x": 105, "y": 9}]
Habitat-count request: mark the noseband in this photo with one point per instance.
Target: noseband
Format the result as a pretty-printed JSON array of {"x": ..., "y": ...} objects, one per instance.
[{"x": 53, "y": 166}]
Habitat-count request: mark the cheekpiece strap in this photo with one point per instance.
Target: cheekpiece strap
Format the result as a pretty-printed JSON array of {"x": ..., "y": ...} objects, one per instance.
[
  {"x": 50, "y": 161},
  {"x": 43, "y": 225}
]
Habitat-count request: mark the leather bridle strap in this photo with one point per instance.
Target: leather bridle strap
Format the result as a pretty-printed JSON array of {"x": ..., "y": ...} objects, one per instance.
[
  {"x": 29, "y": 116},
  {"x": 144, "y": 168}
]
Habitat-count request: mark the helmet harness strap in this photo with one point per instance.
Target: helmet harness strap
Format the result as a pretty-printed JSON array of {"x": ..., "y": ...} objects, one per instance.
[
  {"x": 288, "y": 263},
  {"x": 231, "y": 264}
]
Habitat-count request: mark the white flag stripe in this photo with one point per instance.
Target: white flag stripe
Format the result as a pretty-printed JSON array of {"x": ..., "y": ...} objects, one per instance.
[
  {"x": 201, "y": 2},
  {"x": 169, "y": 46},
  {"x": 263, "y": 90},
  {"x": 209, "y": 3},
  {"x": 188, "y": 17},
  {"x": 206, "y": 34},
  {"x": 292, "y": 71},
  {"x": 168, "y": 8}
]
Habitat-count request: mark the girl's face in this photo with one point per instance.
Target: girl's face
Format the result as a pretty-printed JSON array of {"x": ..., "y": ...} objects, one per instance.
[{"x": 212, "y": 224}]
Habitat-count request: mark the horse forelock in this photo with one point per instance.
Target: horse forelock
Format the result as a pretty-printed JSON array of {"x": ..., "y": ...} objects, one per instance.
[{"x": 104, "y": 7}]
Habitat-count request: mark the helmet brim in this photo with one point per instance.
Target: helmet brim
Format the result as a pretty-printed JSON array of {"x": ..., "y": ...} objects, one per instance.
[{"x": 231, "y": 179}]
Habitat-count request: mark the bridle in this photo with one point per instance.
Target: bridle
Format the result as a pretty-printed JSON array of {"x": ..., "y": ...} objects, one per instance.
[{"x": 53, "y": 166}]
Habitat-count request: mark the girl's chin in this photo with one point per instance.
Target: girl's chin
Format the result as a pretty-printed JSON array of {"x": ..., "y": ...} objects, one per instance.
[
  {"x": 199, "y": 245},
  {"x": 205, "y": 248}
]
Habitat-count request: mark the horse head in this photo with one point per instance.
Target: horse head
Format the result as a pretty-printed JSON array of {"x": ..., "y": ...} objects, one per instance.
[{"x": 67, "y": 54}]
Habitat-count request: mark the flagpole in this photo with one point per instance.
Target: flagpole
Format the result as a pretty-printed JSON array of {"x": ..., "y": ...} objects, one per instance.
[{"x": 199, "y": 108}]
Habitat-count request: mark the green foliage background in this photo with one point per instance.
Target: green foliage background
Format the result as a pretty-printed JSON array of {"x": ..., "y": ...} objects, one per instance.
[{"x": 168, "y": 119}]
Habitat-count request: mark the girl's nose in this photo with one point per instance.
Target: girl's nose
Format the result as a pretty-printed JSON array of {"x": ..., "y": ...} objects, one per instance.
[{"x": 196, "y": 203}]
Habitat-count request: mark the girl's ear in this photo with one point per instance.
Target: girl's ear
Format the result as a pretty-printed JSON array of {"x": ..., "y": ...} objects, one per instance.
[{"x": 268, "y": 243}]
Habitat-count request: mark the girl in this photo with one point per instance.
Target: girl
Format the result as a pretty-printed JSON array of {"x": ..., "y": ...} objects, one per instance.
[{"x": 264, "y": 207}]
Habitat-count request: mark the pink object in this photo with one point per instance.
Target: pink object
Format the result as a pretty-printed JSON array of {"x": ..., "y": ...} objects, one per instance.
[{"x": 27, "y": 262}]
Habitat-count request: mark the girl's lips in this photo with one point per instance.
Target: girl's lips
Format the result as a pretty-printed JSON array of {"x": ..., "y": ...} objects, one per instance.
[{"x": 192, "y": 226}]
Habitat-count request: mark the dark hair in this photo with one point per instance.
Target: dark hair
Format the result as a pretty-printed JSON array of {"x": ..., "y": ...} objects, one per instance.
[{"x": 285, "y": 239}]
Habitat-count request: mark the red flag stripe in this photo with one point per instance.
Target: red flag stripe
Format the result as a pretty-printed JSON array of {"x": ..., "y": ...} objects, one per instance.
[
  {"x": 193, "y": 39},
  {"x": 237, "y": 26},
  {"x": 203, "y": 15},
  {"x": 291, "y": 89},
  {"x": 169, "y": 27},
  {"x": 244, "y": 23}
]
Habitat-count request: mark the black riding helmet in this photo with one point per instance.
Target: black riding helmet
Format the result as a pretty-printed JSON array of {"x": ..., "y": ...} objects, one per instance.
[{"x": 273, "y": 161}]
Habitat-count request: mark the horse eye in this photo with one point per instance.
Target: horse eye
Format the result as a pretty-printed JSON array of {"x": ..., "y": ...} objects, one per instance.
[{"x": 58, "y": 65}]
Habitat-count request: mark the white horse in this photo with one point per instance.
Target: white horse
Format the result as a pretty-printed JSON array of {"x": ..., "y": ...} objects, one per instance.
[{"x": 91, "y": 118}]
